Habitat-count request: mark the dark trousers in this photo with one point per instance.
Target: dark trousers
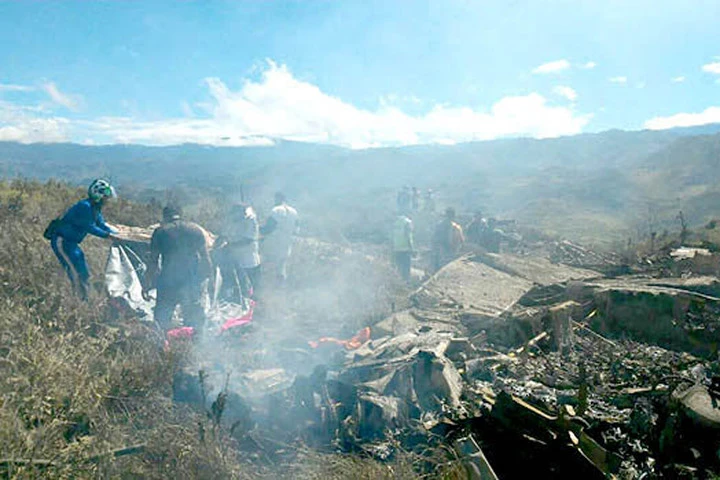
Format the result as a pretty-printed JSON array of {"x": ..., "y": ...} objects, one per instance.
[
  {"x": 72, "y": 259},
  {"x": 403, "y": 261},
  {"x": 188, "y": 296},
  {"x": 252, "y": 281},
  {"x": 240, "y": 283}
]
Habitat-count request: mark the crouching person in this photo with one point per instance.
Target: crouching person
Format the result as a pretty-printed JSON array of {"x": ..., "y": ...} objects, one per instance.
[{"x": 179, "y": 264}]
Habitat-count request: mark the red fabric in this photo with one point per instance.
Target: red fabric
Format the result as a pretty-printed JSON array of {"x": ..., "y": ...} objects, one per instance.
[
  {"x": 239, "y": 321},
  {"x": 354, "y": 343}
]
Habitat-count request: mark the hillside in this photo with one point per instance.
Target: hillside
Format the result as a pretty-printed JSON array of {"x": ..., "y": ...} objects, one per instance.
[
  {"x": 595, "y": 188},
  {"x": 87, "y": 391}
]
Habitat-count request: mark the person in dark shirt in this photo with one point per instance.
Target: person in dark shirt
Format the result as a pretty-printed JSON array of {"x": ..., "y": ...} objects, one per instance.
[
  {"x": 179, "y": 263},
  {"x": 404, "y": 199},
  {"x": 476, "y": 231},
  {"x": 83, "y": 218}
]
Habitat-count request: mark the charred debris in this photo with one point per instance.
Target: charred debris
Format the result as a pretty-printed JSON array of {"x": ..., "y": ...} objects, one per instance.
[{"x": 564, "y": 363}]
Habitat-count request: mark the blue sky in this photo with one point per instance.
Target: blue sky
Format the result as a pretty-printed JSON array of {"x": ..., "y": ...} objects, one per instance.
[{"x": 353, "y": 73}]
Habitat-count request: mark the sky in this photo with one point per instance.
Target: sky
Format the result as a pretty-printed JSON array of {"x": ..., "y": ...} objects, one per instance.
[{"x": 354, "y": 73}]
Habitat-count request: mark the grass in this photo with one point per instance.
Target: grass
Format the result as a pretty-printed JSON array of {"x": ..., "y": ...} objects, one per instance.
[{"x": 81, "y": 382}]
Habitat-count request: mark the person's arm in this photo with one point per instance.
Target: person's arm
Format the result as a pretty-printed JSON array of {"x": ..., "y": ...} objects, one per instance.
[
  {"x": 411, "y": 240},
  {"x": 245, "y": 232},
  {"x": 102, "y": 224},
  {"x": 461, "y": 234},
  {"x": 153, "y": 261},
  {"x": 269, "y": 227},
  {"x": 81, "y": 215},
  {"x": 205, "y": 263}
]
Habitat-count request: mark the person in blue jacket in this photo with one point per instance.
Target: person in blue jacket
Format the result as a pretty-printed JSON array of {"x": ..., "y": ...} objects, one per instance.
[{"x": 83, "y": 218}]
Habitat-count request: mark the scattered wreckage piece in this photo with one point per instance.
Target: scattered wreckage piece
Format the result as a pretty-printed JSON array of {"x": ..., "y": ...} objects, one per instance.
[
  {"x": 471, "y": 285},
  {"x": 538, "y": 270},
  {"x": 566, "y": 427},
  {"x": 699, "y": 261},
  {"x": 570, "y": 253},
  {"x": 476, "y": 463},
  {"x": 672, "y": 314}
]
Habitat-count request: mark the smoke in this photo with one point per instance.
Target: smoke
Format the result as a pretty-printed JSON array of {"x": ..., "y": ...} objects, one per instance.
[{"x": 332, "y": 290}]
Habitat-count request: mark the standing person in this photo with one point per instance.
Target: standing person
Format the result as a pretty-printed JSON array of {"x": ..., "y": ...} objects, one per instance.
[
  {"x": 415, "y": 199},
  {"x": 448, "y": 239},
  {"x": 67, "y": 232},
  {"x": 403, "y": 245},
  {"x": 429, "y": 202},
  {"x": 179, "y": 263},
  {"x": 241, "y": 268},
  {"x": 404, "y": 199},
  {"x": 278, "y": 233},
  {"x": 476, "y": 231}
]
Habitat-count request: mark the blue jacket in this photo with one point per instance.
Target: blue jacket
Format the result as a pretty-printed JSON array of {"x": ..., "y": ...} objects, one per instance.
[{"x": 82, "y": 218}]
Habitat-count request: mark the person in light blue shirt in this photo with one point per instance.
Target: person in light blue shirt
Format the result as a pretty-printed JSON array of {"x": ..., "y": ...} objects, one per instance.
[{"x": 83, "y": 218}]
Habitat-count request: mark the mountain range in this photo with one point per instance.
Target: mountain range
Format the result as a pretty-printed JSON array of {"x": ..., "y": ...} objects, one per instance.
[{"x": 596, "y": 188}]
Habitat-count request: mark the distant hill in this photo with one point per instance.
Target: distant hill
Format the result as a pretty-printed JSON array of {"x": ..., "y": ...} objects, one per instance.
[{"x": 590, "y": 187}]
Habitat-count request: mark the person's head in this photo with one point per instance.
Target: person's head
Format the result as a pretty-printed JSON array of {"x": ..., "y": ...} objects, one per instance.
[
  {"x": 450, "y": 213},
  {"x": 478, "y": 215},
  {"x": 171, "y": 213},
  {"x": 100, "y": 191},
  {"x": 280, "y": 198}
]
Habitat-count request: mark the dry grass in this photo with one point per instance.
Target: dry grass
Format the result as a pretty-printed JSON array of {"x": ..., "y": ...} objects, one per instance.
[{"x": 79, "y": 382}]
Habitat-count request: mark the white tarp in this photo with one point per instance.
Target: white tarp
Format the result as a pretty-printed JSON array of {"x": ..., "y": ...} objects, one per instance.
[{"x": 122, "y": 280}]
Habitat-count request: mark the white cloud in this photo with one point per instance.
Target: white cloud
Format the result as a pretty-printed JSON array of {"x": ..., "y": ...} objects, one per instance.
[
  {"x": 679, "y": 79},
  {"x": 566, "y": 92},
  {"x": 71, "y": 102},
  {"x": 588, "y": 65},
  {"x": 619, "y": 80},
  {"x": 640, "y": 85},
  {"x": 278, "y": 105},
  {"x": 713, "y": 67},
  {"x": 27, "y": 125},
  {"x": 5, "y": 87},
  {"x": 707, "y": 116},
  {"x": 552, "y": 67}
]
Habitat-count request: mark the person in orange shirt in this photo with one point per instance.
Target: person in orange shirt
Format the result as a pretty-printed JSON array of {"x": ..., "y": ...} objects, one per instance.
[{"x": 447, "y": 241}]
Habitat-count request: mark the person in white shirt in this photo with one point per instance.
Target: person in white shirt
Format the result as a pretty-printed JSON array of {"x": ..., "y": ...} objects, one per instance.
[
  {"x": 242, "y": 252},
  {"x": 278, "y": 235}
]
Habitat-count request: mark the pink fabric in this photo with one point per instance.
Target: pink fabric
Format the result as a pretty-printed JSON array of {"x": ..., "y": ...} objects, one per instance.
[
  {"x": 239, "y": 321},
  {"x": 176, "y": 335},
  {"x": 180, "y": 333}
]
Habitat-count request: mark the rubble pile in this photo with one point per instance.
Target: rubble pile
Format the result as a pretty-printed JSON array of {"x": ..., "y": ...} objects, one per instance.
[
  {"x": 521, "y": 365},
  {"x": 569, "y": 253}
]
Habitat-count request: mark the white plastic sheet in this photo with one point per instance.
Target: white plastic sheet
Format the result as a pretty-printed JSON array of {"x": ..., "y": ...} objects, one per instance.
[{"x": 122, "y": 280}]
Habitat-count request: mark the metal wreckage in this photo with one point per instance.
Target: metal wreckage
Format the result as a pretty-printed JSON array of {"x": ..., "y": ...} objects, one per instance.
[{"x": 556, "y": 366}]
